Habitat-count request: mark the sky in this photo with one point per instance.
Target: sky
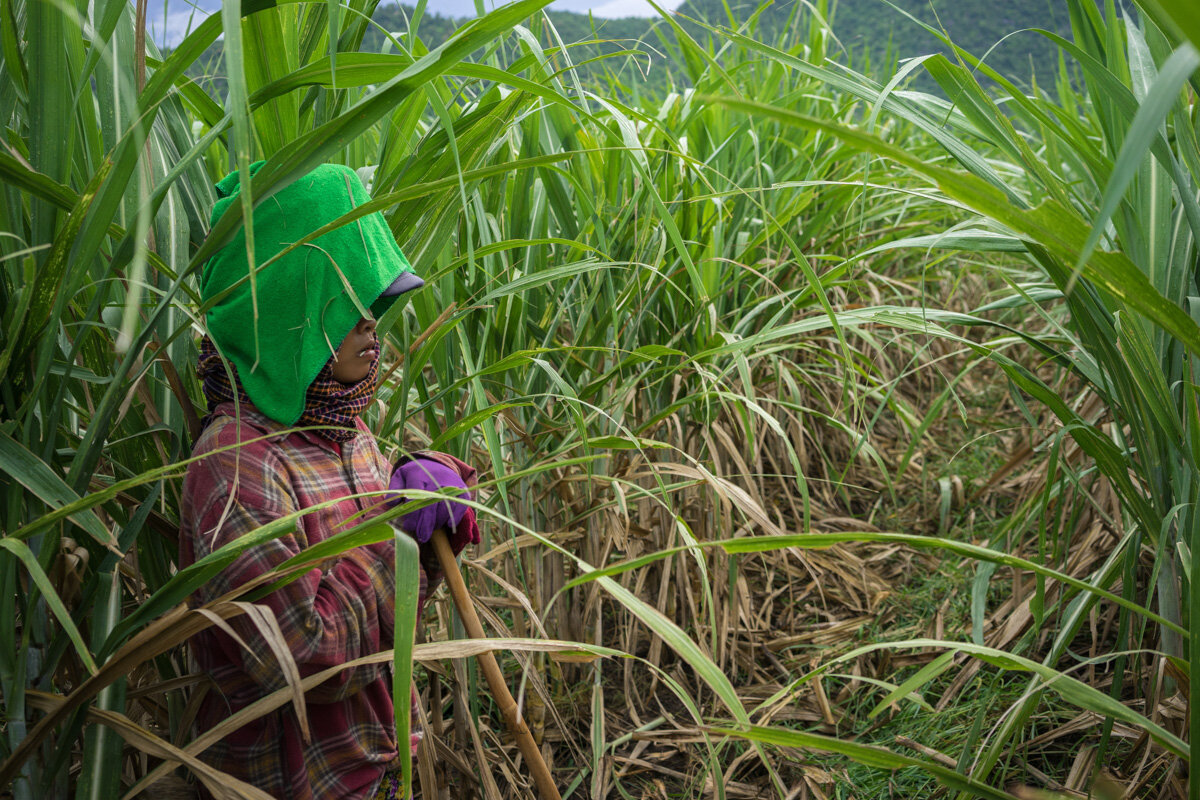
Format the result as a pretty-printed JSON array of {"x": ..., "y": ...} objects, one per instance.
[{"x": 179, "y": 13}]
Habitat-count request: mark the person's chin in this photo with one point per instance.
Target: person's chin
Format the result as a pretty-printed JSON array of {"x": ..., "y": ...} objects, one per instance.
[{"x": 349, "y": 378}]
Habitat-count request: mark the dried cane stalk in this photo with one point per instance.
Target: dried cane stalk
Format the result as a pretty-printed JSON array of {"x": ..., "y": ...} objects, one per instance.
[{"x": 491, "y": 671}]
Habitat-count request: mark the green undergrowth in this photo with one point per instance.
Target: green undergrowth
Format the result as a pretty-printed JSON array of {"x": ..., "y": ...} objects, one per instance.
[
  {"x": 972, "y": 716},
  {"x": 971, "y": 445}
]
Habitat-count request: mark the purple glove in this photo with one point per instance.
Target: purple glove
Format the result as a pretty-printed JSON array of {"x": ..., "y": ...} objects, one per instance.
[{"x": 429, "y": 476}]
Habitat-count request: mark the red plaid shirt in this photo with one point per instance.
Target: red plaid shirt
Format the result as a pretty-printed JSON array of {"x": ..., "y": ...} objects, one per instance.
[{"x": 328, "y": 616}]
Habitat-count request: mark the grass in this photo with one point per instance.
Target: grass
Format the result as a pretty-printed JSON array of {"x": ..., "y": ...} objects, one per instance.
[{"x": 934, "y": 592}]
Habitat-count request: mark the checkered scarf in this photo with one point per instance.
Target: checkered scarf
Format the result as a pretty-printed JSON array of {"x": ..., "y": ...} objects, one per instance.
[{"x": 326, "y": 402}]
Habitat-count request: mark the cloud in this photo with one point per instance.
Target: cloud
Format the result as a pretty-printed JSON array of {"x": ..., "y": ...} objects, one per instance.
[
  {"x": 630, "y": 8},
  {"x": 170, "y": 31},
  {"x": 180, "y": 20}
]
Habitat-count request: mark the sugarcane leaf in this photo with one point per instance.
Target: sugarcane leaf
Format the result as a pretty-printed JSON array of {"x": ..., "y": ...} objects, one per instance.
[
  {"x": 1181, "y": 19},
  {"x": 868, "y": 755},
  {"x": 1071, "y": 689},
  {"x": 1143, "y": 131},
  {"x": 407, "y": 601},
  {"x": 1050, "y": 225},
  {"x": 921, "y": 677},
  {"x": 822, "y": 540},
  {"x": 37, "y": 476},
  {"x": 302, "y": 155},
  {"x": 42, "y": 581}
]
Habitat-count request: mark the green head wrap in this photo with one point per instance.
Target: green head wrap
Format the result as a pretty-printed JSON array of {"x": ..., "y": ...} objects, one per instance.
[{"x": 304, "y": 303}]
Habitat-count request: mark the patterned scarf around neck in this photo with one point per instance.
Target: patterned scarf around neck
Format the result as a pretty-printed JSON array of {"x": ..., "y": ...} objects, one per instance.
[{"x": 326, "y": 402}]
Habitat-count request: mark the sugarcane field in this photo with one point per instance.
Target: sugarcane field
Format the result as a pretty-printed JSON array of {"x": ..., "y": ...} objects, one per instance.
[{"x": 599, "y": 399}]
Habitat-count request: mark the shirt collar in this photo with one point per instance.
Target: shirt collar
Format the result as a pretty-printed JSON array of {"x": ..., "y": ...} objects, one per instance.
[{"x": 250, "y": 413}]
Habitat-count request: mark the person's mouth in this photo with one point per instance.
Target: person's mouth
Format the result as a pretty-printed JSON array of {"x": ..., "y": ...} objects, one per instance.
[{"x": 371, "y": 351}]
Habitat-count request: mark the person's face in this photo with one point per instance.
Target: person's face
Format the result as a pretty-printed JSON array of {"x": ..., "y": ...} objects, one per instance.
[{"x": 353, "y": 358}]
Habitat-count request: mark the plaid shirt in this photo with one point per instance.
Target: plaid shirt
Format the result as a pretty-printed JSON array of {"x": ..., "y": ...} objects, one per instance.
[{"x": 327, "y": 616}]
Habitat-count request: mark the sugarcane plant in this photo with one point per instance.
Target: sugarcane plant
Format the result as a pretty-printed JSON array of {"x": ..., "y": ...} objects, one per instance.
[
  {"x": 107, "y": 167},
  {"x": 638, "y": 304},
  {"x": 1095, "y": 180}
]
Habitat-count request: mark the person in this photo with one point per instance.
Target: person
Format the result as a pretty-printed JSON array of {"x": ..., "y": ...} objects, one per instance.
[{"x": 288, "y": 366}]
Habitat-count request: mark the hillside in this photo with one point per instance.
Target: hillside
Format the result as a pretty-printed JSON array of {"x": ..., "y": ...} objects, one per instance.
[
  {"x": 873, "y": 36},
  {"x": 571, "y": 27},
  {"x": 872, "y": 27},
  {"x": 603, "y": 36}
]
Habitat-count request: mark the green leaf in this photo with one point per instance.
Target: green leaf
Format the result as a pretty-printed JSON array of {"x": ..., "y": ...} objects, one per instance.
[
  {"x": 1056, "y": 228},
  {"x": 1071, "y": 689},
  {"x": 541, "y": 278},
  {"x": 1182, "y": 19},
  {"x": 42, "y": 186},
  {"x": 923, "y": 676},
  {"x": 759, "y": 544},
  {"x": 1143, "y": 131},
  {"x": 37, "y": 476},
  {"x": 979, "y": 593},
  {"x": 40, "y": 579},
  {"x": 626, "y": 443},
  {"x": 466, "y": 423},
  {"x": 408, "y": 584},
  {"x": 868, "y": 755}
]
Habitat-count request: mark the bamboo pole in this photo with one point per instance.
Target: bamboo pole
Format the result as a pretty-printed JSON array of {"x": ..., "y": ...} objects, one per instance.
[{"x": 491, "y": 671}]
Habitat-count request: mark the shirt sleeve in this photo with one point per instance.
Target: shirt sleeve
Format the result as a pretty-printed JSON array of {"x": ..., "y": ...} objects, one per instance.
[{"x": 328, "y": 615}]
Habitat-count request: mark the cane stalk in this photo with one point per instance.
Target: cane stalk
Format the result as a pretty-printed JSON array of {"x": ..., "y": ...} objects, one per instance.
[{"x": 491, "y": 671}]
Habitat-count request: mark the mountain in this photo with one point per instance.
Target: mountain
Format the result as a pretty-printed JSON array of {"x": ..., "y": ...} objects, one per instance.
[
  {"x": 572, "y": 27},
  {"x": 871, "y": 32},
  {"x": 873, "y": 36},
  {"x": 880, "y": 31}
]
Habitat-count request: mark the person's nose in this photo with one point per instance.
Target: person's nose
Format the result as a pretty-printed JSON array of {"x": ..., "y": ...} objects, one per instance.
[{"x": 366, "y": 326}]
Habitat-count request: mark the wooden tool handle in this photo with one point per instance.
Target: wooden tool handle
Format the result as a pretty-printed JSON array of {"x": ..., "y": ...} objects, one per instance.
[{"x": 491, "y": 671}]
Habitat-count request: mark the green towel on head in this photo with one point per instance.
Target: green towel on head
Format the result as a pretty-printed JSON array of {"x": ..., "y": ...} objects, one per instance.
[{"x": 304, "y": 308}]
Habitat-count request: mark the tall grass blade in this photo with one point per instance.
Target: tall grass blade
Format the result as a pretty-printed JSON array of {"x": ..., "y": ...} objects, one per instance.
[{"x": 406, "y": 604}]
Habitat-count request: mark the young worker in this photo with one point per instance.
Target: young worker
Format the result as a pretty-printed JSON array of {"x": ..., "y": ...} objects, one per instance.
[{"x": 292, "y": 357}]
